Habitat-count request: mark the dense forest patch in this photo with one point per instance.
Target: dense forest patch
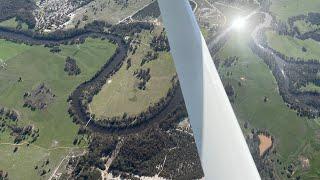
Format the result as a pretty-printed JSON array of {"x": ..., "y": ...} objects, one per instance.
[{"x": 71, "y": 67}]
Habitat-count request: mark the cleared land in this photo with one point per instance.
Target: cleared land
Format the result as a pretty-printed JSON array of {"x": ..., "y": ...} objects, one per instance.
[
  {"x": 265, "y": 143},
  {"x": 311, "y": 87},
  {"x": 21, "y": 165},
  {"x": 36, "y": 64},
  {"x": 294, "y": 136},
  {"x": 9, "y": 49},
  {"x": 9, "y": 23},
  {"x": 286, "y": 8},
  {"x": 304, "y": 27},
  {"x": 293, "y": 47},
  {"x": 289, "y": 130},
  {"x": 121, "y": 94},
  {"x": 12, "y": 23}
]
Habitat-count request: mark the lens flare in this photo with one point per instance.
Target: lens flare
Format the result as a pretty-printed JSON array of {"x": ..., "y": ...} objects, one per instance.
[{"x": 239, "y": 23}]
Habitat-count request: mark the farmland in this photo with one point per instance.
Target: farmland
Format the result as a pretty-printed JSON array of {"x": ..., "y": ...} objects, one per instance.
[
  {"x": 13, "y": 23},
  {"x": 122, "y": 95},
  {"x": 304, "y": 27},
  {"x": 257, "y": 82},
  {"x": 287, "y": 8},
  {"x": 293, "y": 47},
  {"x": 64, "y": 91},
  {"x": 256, "y": 98},
  {"x": 40, "y": 136},
  {"x": 35, "y": 65}
]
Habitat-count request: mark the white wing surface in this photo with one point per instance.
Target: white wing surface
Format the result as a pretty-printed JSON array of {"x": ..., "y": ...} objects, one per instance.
[{"x": 222, "y": 148}]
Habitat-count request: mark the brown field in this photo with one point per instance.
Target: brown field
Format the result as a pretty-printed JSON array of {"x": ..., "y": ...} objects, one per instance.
[{"x": 265, "y": 143}]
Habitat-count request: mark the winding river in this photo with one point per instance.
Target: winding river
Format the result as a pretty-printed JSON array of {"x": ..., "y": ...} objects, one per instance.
[{"x": 101, "y": 76}]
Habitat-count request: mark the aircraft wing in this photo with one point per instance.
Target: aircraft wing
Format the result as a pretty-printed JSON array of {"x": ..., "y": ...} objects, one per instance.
[{"x": 221, "y": 145}]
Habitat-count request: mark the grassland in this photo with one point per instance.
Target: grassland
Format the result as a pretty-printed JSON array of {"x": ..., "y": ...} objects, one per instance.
[
  {"x": 12, "y": 23},
  {"x": 304, "y": 27},
  {"x": 286, "y": 8},
  {"x": 292, "y": 47},
  {"x": 9, "y": 23},
  {"x": 252, "y": 80},
  {"x": 121, "y": 93},
  {"x": 257, "y": 82},
  {"x": 311, "y": 152},
  {"x": 311, "y": 87},
  {"x": 314, "y": 173},
  {"x": 291, "y": 133},
  {"x": 21, "y": 165},
  {"x": 204, "y": 32},
  {"x": 9, "y": 49},
  {"x": 36, "y": 64}
]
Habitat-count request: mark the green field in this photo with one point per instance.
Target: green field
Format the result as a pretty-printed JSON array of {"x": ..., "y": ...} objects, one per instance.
[
  {"x": 21, "y": 165},
  {"x": 9, "y": 49},
  {"x": 292, "y": 47},
  {"x": 294, "y": 136},
  {"x": 9, "y": 23},
  {"x": 311, "y": 87},
  {"x": 304, "y": 27},
  {"x": 292, "y": 133},
  {"x": 315, "y": 171},
  {"x": 283, "y": 9},
  {"x": 12, "y": 23},
  {"x": 257, "y": 82},
  {"x": 121, "y": 93},
  {"x": 204, "y": 32},
  {"x": 36, "y": 64}
]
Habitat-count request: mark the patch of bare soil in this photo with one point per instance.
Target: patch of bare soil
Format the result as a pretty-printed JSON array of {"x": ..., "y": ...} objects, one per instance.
[
  {"x": 305, "y": 163},
  {"x": 39, "y": 98},
  {"x": 265, "y": 143}
]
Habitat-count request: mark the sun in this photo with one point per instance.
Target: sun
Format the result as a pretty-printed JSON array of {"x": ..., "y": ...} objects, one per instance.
[{"x": 239, "y": 23}]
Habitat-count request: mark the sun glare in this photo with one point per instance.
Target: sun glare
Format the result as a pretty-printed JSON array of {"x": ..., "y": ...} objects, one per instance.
[{"x": 239, "y": 23}]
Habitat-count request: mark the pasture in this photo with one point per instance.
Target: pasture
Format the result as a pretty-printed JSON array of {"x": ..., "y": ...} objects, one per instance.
[
  {"x": 12, "y": 23},
  {"x": 35, "y": 65},
  {"x": 253, "y": 81},
  {"x": 257, "y": 81},
  {"x": 292, "y": 47},
  {"x": 287, "y": 8},
  {"x": 121, "y": 95},
  {"x": 304, "y": 27},
  {"x": 311, "y": 87}
]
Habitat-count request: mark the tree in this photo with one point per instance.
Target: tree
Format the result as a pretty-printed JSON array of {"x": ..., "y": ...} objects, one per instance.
[
  {"x": 304, "y": 49},
  {"x": 15, "y": 149}
]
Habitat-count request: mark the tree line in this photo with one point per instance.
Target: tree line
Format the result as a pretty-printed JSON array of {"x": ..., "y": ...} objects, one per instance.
[{"x": 290, "y": 29}]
